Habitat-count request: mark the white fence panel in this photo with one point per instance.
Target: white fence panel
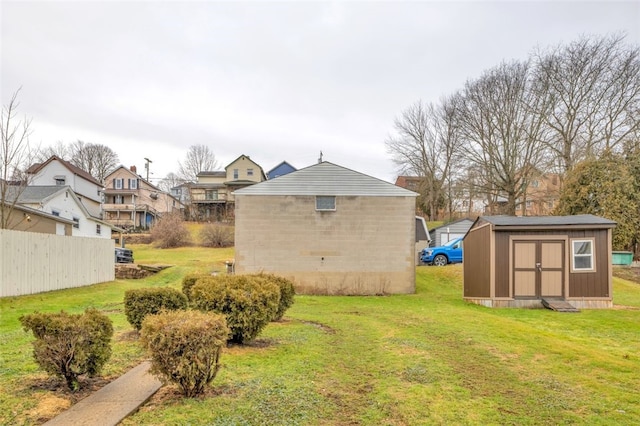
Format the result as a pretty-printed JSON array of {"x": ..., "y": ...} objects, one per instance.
[{"x": 33, "y": 262}]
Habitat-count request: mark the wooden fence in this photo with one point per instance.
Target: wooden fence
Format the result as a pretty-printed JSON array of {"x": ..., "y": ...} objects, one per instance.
[{"x": 34, "y": 262}]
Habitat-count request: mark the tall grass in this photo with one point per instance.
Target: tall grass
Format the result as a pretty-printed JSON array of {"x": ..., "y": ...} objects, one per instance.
[{"x": 426, "y": 358}]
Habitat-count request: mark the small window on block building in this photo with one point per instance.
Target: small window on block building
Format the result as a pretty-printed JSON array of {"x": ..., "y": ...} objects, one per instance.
[{"x": 325, "y": 203}]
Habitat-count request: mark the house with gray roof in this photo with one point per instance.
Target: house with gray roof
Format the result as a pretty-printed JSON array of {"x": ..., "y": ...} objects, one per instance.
[
  {"x": 62, "y": 202},
  {"x": 59, "y": 172},
  {"x": 211, "y": 197},
  {"x": 329, "y": 229}
]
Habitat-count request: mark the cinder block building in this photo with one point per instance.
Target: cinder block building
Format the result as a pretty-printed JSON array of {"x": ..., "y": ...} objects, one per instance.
[{"x": 330, "y": 230}]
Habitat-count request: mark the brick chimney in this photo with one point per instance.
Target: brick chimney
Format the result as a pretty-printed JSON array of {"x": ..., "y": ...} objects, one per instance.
[{"x": 133, "y": 169}]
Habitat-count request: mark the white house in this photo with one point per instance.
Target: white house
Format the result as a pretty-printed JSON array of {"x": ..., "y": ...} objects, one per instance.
[
  {"x": 58, "y": 172},
  {"x": 61, "y": 201}
]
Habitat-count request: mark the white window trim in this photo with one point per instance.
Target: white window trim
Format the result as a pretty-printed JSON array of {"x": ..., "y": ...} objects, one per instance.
[
  {"x": 119, "y": 183},
  {"x": 592, "y": 255},
  {"x": 326, "y": 197}
]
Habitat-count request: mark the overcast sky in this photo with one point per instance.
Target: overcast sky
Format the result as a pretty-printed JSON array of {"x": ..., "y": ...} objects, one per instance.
[{"x": 272, "y": 80}]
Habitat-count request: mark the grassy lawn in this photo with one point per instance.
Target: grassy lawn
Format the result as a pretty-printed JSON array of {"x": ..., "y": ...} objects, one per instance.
[{"x": 427, "y": 358}]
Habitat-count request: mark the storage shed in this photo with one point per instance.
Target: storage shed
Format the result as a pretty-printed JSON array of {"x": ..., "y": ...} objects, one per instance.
[
  {"x": 450, "y": 231},
  {"x": 330, "y": 230},
  {"x": 524, "y": 261}
]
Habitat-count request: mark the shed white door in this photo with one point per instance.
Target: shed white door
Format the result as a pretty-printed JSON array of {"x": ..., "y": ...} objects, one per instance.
[{"x": 538, "y": 268}]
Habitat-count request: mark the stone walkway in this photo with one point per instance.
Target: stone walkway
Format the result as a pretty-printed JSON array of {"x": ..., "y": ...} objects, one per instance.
[{"x": 112, "y": 403}]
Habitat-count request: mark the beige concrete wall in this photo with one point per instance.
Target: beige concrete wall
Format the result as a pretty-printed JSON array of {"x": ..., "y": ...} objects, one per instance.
[{"x": 366, "y": 246}]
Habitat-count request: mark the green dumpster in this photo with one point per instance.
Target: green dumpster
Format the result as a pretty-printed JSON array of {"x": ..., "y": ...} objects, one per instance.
[{"x": 622, "y": 257}]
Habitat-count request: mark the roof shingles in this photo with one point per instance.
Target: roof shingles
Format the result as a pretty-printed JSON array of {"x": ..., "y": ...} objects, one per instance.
[{"x": 326, "y": 179}]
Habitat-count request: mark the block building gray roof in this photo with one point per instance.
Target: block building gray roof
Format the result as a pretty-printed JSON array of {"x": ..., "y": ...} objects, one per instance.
[{"x": 326, "y": 179}]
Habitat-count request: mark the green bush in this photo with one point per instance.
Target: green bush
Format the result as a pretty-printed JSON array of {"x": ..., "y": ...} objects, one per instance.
[
  {"x": 185, "y": 347},
  {"x": 215, "y": 235},
  {"x": 67, "y": 345},
  {"x": 287, "y": 292},
  {"x": 138, "y": 303},
  {"x": 189, "y": 281},
  {"x": 248, "y": 302}
]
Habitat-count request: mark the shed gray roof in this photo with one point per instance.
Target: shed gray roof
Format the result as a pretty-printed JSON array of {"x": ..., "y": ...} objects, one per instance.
[
  {"x": 581, "y": 219},
  {"x": 326, "y": 179}
]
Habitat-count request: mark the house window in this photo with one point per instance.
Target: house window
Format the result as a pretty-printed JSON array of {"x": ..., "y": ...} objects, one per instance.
[
  {"x": 211, "y": 194},
  {"x": 582, "y": 256},
  {"x": 98, "y": 229},
  {"x": 118, "y": 183},
  {"x": 325, "y": 203},
  {"x": 534, "y": 184},
  {"x": 529, "y": 204},
  {"x": 249, "y": 172},
  {"x": 133, "y": 183},
  {"x": 235, "y": 173},
  {"x": 118, "y": 199},
  {"x": 55, "y": 212},
  {"x": 76, "y": 222},
  {"x": 60, "y": 180}
]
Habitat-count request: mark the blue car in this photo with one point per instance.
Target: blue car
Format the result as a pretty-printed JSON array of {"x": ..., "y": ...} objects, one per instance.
[{"x": 450, "y": 252}]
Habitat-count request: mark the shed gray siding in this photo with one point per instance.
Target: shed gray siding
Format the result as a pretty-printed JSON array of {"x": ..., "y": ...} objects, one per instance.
[{"x": 457, "y": 228}]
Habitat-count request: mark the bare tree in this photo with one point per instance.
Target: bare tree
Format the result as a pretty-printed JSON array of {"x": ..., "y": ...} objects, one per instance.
[
  {"x": 170, "y": 181},
  {"x": 15, "y": 155},
  {"x": 426, "y": 145},
  {"x": 501, "y": 132},
  {"x": 199, "y": 158},
  {"x": 594, "y": 86},
  {"x": 96, "y": 159},
  {"x": 59, "y": 149}
]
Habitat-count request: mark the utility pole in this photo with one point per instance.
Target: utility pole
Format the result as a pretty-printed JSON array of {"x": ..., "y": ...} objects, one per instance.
[{"x": 146, "y": 166}]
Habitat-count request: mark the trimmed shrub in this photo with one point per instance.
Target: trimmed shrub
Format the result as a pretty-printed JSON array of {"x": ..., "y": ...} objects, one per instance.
[
  {"x": 170, "y": 231},
  {"x": 185, "y": 347},
  {"x": 140, "y": 302},
  {"x": 215, "y": 235},
  {"x": 189, "y": 281},
  {"x": 67, "y": 345},
  {"x": 248, "y": 302},
  {"x": 287, "y": 292}
]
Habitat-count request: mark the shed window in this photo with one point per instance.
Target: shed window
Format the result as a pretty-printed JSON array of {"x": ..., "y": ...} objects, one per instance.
[
  {"x": 582, "y": 255},
  {"x": 325, "y": 203}
]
